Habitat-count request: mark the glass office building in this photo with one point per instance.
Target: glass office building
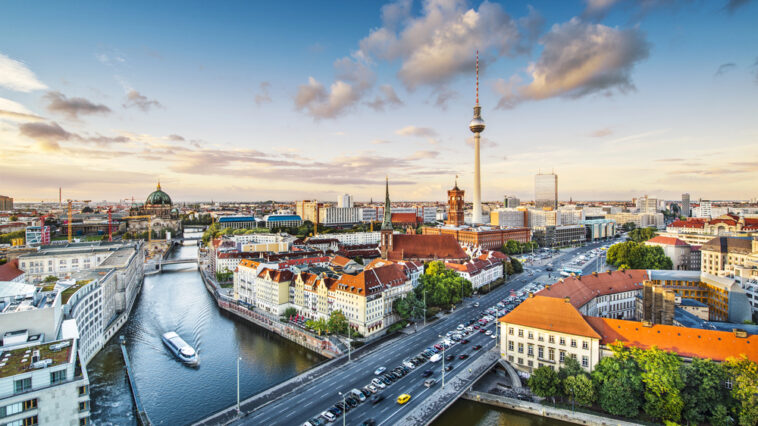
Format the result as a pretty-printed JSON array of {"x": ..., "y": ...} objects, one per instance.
[{"x": 546, "y": 190}]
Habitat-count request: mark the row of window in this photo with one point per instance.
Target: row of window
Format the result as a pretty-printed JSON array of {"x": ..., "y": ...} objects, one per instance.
[
  {"x": 18, "y": 407},
  {"x": 25, "y": 384},
  {"x": 530, "y": 363},
  {"x": 551, "y": 338}
]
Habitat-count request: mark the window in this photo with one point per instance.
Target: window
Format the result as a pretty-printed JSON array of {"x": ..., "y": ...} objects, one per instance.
[
  {"x": 531, "y": 336},
  {"x": 83, "y": 406},
  {"x": 530, "y": 363},
  {"x": 510, "y": 358},
  {"x": 22, "y": 385},
  {"x": 540, "y": 337},
  {"x": 57, "y": 377},
  {"x": 521, "y": 348},
  {"x": 510, "y": 346},
  {"x": 563, "y": 341},
  {"x": 551, "y": 339},
  {"x": 541, "y": 352},
  {"x": 573, "y": 343},
  {"x": 521, "y": 361},
  {"x": 585, "y": 361},
  {"x": 530, "y": 350},
  {"x": 562, "y": 356},
  {"x": 585, "y": 345},
  {"x": 520, "y": 333},
  {"x": 510, "y": 331},
  {"x": 551, "y": 354}
]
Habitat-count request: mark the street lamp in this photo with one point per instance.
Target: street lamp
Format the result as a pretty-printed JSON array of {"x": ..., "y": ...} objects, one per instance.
[
  {"x": 349, "y": 341},
  {"x": 344, "y": 415},
  {"x": 443, "y": 361},
  {"x": 424, "y": 289},
  {"x": 238, "y": 385}
]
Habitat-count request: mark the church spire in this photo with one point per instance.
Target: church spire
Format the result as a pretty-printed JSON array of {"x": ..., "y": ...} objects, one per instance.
[{"x": 387, "y": 223}]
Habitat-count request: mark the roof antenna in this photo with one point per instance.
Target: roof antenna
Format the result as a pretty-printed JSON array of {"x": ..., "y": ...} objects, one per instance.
[{"x": 477, "y": 76}]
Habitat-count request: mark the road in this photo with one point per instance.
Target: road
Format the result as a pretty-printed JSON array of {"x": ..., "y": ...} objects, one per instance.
[{"x": 315, "y": 397}]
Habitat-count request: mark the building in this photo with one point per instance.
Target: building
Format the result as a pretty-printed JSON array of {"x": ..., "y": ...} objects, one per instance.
[
  {"x": 677, "y": 250},
  {"x": 6, "y": 203},
  {"x": 599, "y": 229},
  {"x": 508, "y": 217},
  {"x": 647, "y": 204},
  {"x": 478, "y": 271},
  {"x": 610, "y": 294},
  {"x": 237, "y": 222},
  {"x": 559, "y": 236},
  {"x": 538, "y": 218},
  {"x": 511, "y": 202},
  {"x": 705, "y": 209},
  {"x": 657, "y": 304},
  {"x": 546, "y": 191},
  {"x": 481, "y": 237},
  {"x": 308, "y": 210},
  {"x": 339, "y": 216},
  {"x": 9, "y": 272},
  {"x": 355, "y": 238},
  {"x": 455, "y": 205},
  {"x": 476, "y": 125},
  {"x": 686, "y": 212},
  {"x": 640, "y": 220},
  {"x": 700, "y": 231},
  {"x": 543, "y": 331},
  {"x": 37, "y": 236},
  {"x": 725, "y": 256},
  {"x": 157, "y": 204},
  {"x": 345, "y": 201},
  {"x": 282, "y": 220}
]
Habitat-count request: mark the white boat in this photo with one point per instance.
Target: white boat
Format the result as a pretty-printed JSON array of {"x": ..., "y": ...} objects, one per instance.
[{"x": 180, "y": 348}]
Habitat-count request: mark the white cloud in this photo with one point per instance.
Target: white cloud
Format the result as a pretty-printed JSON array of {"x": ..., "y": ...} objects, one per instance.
[
  {"x": 16, "y": 76},
  {"x": 578, "y": 59},
  {"x": 353, "y": 80},
  {"x": 421, "y": 132}
]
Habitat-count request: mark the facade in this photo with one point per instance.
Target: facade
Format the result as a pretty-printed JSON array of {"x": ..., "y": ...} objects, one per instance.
[
  {"x": 479, "y": 272},
  {"x": 508, "y": 217},
  {"x": 511, "y": 202},
  {"x": 308, "y": 210},
  {"x": 700, "y": 231},
  {"x": 599, "y": 229},
  {"x": 228, "y": 261},
  {"x": 9, "y": 272},
  {"x": 282, "y": 221},
  {"x": 455, "y": 206},
  {"x": 686, "y": 211},
  {"x": 640, "y": 220},
  {"x": 705, "y": 209},
  {"x": 345, "y": 201},
  {"x": 546, "y": 191},
  {"x": 339, "y": 216},
  {"x": 356, "y": 238},
  {"x": 484, "y": 237},
  {"x": 677, "y": 250},
  {"x": 6, "y": 203},
  {"x": 647, "y": 204},
  {"x": 62, "y": 261},
  {"x": 37, "y": 236},
  {"x": 610, "y": 294},
  {"x": 724, "y": 256},
  {"x": 543, "y": 331},
  {"x": 559, "y": 236},
  {"x": 237, "y": 222}
]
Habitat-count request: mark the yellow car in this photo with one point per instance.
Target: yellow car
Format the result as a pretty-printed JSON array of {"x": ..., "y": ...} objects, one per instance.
[{"x": 402, "y": 399}]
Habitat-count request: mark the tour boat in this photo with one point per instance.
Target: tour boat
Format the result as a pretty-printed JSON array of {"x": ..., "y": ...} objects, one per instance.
[{"x": 180, "y": 348}]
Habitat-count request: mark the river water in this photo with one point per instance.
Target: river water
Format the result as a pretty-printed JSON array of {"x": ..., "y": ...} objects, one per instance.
[{"x": 174, "y": 394}]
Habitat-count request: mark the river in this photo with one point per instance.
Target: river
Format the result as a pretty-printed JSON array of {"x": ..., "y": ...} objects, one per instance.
[{"x": 174, "y": 394}]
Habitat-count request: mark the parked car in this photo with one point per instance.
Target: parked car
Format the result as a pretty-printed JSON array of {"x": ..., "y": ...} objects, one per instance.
[{"x": 329, "y": 416}]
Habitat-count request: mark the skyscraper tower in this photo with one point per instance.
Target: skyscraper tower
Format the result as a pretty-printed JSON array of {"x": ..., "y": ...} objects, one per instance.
[{"x": 477, "y": 127}]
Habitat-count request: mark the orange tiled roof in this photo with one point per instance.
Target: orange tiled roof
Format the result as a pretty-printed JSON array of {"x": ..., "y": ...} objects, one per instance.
[
  {"x": 586, "y": 287},
  {"x": 426, "y": 247},
  {"x": 687, "y": 224},
  {"x": 340, "y": 260},
  {"x": 10, "y": 270},
  {"x": 549, "y": 313},
  {"x": 276, "y": 275},
  {"x": 249, "y": 263},
  {"x": 404, "y": 218},
  {"x": 669, "y": 241},
  {"x": 687, "y": 342}
]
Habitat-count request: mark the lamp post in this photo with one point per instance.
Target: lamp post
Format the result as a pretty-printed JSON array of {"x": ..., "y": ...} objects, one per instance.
[
  {"x": 344, "y": 415},
  {"x": 443, "y": 361},
  {"x": 238, "y": 385},
  {"x": 349, "y": 341},
  {"x": 424, "y": 306}
]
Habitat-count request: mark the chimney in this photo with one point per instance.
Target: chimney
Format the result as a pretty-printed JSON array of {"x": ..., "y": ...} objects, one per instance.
[
  {"x": 594, "y": 274},
  {"x": 567, "y": 299},
  {"x": 609, "y": 272},
  {"x": 646, "y": 323},
  {"x": 531, "y": 294},
  {"x": 742, "y": 334},
  {"x": 547, "y": 287},
  {"x": 35, "y": 356}
]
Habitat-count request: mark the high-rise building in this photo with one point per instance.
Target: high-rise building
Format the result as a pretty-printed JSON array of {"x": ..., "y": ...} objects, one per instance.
[
  {"x": 345, "y": 201},
  {"x": 546, "y": 191},
  {"x": 455, "y": 205},
  {"x": 6, "y": 203},
  {"x": 477, "y": 127},
  {"x": 705, "y": 209},
  {"x": 511, "y": 202},
  {"x": 308, "y": 210},
  {"x": 686, "y": 205},
  {"x": 647, "y": 204}
]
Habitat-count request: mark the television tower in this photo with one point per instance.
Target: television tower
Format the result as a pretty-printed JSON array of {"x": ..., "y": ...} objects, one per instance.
[{"x": 477, "y": 127}]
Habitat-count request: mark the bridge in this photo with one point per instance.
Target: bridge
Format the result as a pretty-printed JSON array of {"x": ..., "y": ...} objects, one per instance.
[{"x": 157, "y": 266}]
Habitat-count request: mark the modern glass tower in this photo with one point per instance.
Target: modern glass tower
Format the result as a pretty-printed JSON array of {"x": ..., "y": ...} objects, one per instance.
[{"x": 546, "y": 191}]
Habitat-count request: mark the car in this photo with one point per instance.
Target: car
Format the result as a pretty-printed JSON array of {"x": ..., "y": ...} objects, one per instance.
[
  {"x": 448, "y": 367},
  {"x": 357, "y": 395},
  {"x": 449, "y": 357},
  {"x": 379, "y": 371},
  {"x": 464, "y": 341},
  {"x": 481, "y": 330},
  {"x": 372, "y": 388},
  {"x": 489, "y": 332},
  {"x": 328, "y": 415},
  {"x": 429, "y": 382},
  {"x": 462, "y": 356},
  {"x": 476, "y": 327},
  {"x": 368, "y": 422},
  {"x": 316, "y": 421},
  {"x": 460, "y": 326},
  {"x": 477, "y": 347},
  {"x": 493, "y": 336},
  {"x": 427, "y": 373},
  {"x": 336, "y": 410},
  {"x": 386, "y": 381},
  {"x": 351, "y": 402},
  {"x": 402, "y": 399},
  {"x": 476, "y": 304},
  {"x": 435, "y": 358},
  {"x": 377, "y": 399},
  {"x": 344, "y": 406},
  {"x": 408, "y": 363}
]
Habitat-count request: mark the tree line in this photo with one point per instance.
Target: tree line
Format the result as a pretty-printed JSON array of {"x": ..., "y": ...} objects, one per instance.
[
  {"x": 634, "y": 255},
  {"x": 657, "y": 385}
]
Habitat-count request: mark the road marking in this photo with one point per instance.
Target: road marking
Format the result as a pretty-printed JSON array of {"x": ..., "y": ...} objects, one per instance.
[{"x": 404, "y": 406}]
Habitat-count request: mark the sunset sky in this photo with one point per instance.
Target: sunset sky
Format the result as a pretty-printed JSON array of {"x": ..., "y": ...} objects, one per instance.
[{"x": 291, "y": 100}]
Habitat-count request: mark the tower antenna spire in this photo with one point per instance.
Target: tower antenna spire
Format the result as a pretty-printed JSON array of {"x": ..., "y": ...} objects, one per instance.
[{"x": 477, "y": 76}]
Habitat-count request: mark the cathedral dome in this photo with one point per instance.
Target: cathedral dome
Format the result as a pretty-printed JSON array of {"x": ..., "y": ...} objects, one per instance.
[{"x": 158, "y": 198}]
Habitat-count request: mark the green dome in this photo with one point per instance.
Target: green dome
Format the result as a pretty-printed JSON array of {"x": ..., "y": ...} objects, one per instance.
[{"x": 158, "y": 198}]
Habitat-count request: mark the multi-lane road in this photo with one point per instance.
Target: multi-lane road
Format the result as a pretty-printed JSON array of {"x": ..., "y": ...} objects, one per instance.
[{"x": 313, "y": 398}]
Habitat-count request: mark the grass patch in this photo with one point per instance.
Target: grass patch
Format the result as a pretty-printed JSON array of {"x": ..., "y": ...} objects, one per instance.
[{"x": 67, "y": 293}]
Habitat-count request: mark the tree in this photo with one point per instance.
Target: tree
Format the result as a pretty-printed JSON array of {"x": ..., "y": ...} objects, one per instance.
[
  {"x": 570, "y": 367},
  {"x": 511, "y": 247},
  {"x": 337, "y": 322},
  {"x": 544, "y": 382},
  {"x": 358, "y": 260},
  {"x": 408, "y": 307},
  {"x": 289, "y": 312},
  {"x": 640, "y": 235},
  {"x": 509, "y": 270},
  {"x": 704, "y": 390},
  {"x": 617, "y": 378},
  {"x": 580, "y": 388},
  {"x": 635, "y": 255},
  {"x": 13, "y": 218},
  {"x": 629, "y": 226},
  {"x": 744, "y": 388},
  {"x": 87, "y": 209},
  {"x": 517, "y": 267},
  {"x": 443, "y": 286},
  {"x": 225, "y": 275},
  {"x": 50, "y": 279},
  {"x": 663, "y": 383}
]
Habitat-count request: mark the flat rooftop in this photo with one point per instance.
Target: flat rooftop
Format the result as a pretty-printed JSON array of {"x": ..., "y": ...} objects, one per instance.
[
  {"x": 18, "y": 361},
  {"x": 79, "y": 248}
]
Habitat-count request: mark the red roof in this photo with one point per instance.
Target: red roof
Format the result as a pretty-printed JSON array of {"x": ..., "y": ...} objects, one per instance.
[
  {"x": 687, "y": 342},
  {"x": 276, "y": 275},
  {"x": 582, "y": 289},
  {"x": 687, "y": 224},
  {"x": 404, "y": 218},
  {"x": 548, "y": 313},
  {"x": 405, "y": 247},
  {"x": 10, "y": 271},
  {"x": 668, "y": 241}
]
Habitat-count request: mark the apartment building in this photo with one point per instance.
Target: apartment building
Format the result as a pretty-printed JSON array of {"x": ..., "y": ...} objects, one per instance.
[
  {"x": 609, "y": 294},
  {"x": 62, "y": 261},
  {"x": 478, "y": 271},
  {"x": 640, "y": 220}
]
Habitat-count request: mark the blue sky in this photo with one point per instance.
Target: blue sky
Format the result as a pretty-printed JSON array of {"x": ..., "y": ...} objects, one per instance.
[{"x": 291, "y": 100}]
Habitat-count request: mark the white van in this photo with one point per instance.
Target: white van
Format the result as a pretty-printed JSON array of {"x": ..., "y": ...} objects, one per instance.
[
  {"x": 358, "y": 394},
  {"x": 435, "y": 358}
]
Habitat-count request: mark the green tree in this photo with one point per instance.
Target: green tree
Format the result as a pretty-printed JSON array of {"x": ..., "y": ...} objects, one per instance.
[
  {"x": 87, "y": 209},
  {"x": 580, "y": 388},
  {"x": 511, "y": 247},
  {"x": 634, "y": 255},
  {"x": 443, "y": 286},
  {"x": 509, "y": 270},
  {"x": 663, "y": 383},
  {"x": 744, "y": 375},
  {"x": 544, "y": 382},
  {"x": 618, "y": 381},
  {"x": 629, "y": 226},
  {"x": 570, "y": 367},
  {"x": 358, "y": 260},
  {"x": 50, "y": 279},
  {"x": 289, "y": 312},
  {"x": 409, "y": 306},
  {"x": 703, "y": 390},
  {"x": 640, "y": 235},
  {"x": 517, "y": 267},
  {"x": 337, "y": 322},
  {"x": 224, "y": 276},
  {"x": 13, "y": 218}
]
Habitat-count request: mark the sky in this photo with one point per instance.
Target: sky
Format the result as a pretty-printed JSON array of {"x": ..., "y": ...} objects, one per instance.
[{"x": 308, "y": 100}]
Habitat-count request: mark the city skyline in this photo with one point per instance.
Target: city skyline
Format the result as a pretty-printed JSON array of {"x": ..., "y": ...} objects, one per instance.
[{"x": 248, "y": 102}]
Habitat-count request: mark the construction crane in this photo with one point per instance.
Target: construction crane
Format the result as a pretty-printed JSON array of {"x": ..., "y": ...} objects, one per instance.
[{"x": 110, "y": 229}]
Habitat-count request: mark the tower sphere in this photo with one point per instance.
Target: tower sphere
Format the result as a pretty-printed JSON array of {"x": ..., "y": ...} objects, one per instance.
[{"x": 476, "y": 125}]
